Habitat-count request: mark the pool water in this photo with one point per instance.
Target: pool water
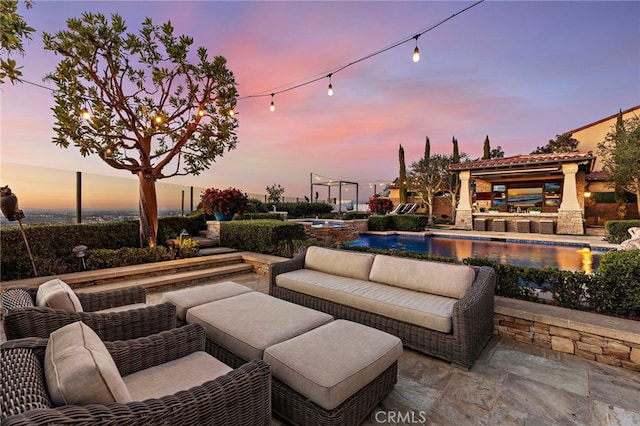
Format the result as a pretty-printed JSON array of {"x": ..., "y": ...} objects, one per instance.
[{"x": 534, "y": 254}]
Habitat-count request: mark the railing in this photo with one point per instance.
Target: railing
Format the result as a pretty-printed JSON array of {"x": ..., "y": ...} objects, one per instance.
[{"x": 49, "y": 196}]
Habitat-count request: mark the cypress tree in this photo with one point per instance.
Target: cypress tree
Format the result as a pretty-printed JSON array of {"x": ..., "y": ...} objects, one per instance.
[{"x": 402, "y": 177}]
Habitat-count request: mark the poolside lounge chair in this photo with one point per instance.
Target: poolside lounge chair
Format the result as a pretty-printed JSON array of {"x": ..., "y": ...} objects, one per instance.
[
  {"x": 214, "y": 393},
  {"x": 406, "y": 208},
  {"x": 398, "y": 209},
  {"x": 411, "y": 209},
  {"x": 114, "y": 314}
]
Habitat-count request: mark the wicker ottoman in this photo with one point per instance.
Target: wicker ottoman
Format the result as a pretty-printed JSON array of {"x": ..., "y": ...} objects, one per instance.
[
  {"x": 523, "y": 225},
  {"x": 190, "y": 297},
  {"x": 335, "y": 374},
  {"x": 247, "y": 324},
  {"x": 499, "y": 225}
]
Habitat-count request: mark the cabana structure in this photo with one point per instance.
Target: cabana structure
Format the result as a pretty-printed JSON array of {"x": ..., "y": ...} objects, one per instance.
[
  {"x": 321, "y": 181},
  {"x": 524, "y": 193}
]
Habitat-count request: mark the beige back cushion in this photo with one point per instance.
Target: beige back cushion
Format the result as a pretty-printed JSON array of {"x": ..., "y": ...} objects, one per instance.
[
  {"x": 443, "y": 279},
  {"x": 79, "y": 369},
  {"x": 57, "y": 294},
  {"x": 339, "y": 262}
]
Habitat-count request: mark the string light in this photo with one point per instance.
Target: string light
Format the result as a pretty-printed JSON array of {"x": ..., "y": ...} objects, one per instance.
[
  {"x": 416, "y": 57},
  {"x": 416, "y": 51},
  {"x": 330, "y": 90},
  {"x": 200, "y": 112},
  {"x": 85, "y": 114},
  {"x": 272, "y": 107}
]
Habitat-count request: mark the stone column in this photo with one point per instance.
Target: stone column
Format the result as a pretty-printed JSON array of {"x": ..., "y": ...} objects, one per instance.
[
  {"x": 213, "y": 231},
  {"x": 464, "y": 216},
  {"x": 570, "y": 214}
]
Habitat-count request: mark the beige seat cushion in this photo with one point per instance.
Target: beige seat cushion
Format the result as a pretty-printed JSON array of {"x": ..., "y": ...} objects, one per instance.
[
  {"x": 249, "y": 323},
  {"x": 332, "y": 362},
  {"x": 57, "y": 294},
  {"x": 123, "y": 308},
  {"x": 444, "y": 279},
  {"x": 339, "y": 262},
  {"x": 190, "y": 297},
  {"x": 171, "y": 377},
  {"x": 79, "y": 370},
  {"x": 413, "y": 307}
]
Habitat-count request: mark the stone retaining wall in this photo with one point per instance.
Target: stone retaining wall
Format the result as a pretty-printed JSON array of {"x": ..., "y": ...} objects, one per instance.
[{"x": 585, "y": 335}]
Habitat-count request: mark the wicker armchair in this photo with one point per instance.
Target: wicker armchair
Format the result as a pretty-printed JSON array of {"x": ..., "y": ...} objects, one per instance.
[
  {"x": 240, "y": 397},
  {"x": 22, "y": 318}
]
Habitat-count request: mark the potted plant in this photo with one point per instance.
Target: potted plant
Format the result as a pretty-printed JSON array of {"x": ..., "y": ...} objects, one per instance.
[
  {"x": 534, "y": 210},
  {"x": 494, "y": 210},
  {"x": 380, "y": 205},
  {"x": 224, "y": 203}
]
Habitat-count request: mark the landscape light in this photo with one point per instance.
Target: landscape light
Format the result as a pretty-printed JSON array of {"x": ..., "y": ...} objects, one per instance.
[
  {"x": 273, "y": 106},
  {"x": 416, "y": 51},
  {"x": 330, "y": 90}
]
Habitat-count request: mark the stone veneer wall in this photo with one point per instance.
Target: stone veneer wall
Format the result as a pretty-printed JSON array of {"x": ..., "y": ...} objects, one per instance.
[{"x": 609, "y": 340}]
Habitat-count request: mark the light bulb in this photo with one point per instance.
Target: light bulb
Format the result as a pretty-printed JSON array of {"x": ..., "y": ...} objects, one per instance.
[
  {"x": 273, "y": 106},
  {"x": 200, "y": 112},
  {"x": 231, "y": 112},
  {"x": 158, "y": 119},
  {"x": 330, "y": 91},
  {"x": 416, "y": 54},
  {"x": 85, "y": 114}
]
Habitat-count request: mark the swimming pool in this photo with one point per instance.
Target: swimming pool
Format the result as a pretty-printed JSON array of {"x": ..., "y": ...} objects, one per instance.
[{"x": 534, "y": 254}]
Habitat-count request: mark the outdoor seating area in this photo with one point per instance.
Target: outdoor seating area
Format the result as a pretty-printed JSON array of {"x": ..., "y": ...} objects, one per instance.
[{"x": 524, "y": 381}]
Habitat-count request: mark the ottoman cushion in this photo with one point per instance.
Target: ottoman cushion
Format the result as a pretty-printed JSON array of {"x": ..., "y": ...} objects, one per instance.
[
  {"x": 249, "y": 323},
  {"x": 332, "y": 362},
  {"x": 190, "y": 297}
]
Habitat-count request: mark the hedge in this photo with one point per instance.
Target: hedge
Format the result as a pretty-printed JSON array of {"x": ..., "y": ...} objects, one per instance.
[
  {"x": 272, "y": 236},
  {"x": 52, "y": 245},
  {"x": 616, "y": 231},
  {"x": 398, "y": 222}
]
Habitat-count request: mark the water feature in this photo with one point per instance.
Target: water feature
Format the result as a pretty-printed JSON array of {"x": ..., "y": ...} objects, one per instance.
[{"x": 535, "y": 254}]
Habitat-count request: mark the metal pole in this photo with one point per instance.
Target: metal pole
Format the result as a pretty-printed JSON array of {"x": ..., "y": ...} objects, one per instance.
[
  {"x": 191, "y": 194},
  {"x": 183, "y": 203},
  {"x": 78, "y": 198}
]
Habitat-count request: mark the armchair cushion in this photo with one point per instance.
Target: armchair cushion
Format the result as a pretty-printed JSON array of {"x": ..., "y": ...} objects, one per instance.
[
  {"x": 174, "y": 376},
  {"x": 57, "y": 294},
  {"x": 79, "y": 369}
]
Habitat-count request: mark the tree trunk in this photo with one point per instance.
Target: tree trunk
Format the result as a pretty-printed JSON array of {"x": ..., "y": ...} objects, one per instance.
[{"x": 148, "y": 210}]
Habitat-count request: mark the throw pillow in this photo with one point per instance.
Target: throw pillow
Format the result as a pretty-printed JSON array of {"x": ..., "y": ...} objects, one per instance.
[
  {"x": 79, "y": 369},
  {"x": 57, "y": 294}
]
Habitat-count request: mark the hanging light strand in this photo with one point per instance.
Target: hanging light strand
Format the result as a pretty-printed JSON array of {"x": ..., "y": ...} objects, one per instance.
[{"x": 364, "y": 58}]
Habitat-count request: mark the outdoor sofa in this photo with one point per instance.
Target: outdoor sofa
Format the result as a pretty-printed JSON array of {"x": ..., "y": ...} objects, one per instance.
[
  {"x": 440, "y": 309},
  {"x": 161, "y": 365},
  {"x": 118, "y": 314}
]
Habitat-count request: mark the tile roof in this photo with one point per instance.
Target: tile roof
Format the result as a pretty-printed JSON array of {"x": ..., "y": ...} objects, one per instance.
[{"x": 524, "y": 160}]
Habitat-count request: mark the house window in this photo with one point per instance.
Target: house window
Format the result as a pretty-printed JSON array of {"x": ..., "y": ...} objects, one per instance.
[{"x": 518, "y": 197}]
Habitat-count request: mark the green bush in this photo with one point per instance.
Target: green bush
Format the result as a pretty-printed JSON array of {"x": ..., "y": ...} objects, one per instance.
[
  {"x": 617, "y": 289},
  {"x": 302, "y": 210},
  {"x": 256, "y": 206},
  {"x": 355, "y": 215},
  {"x": 254, "y": 216},
  {"x": 398, "y": 222},
  {"x": 616, "y": 231},
  {"x": 52, "y": 245},
  {"x": 108, "y": 258},
  {"x": 604, "y": 197},
  {"x": 260, "y": 236}
]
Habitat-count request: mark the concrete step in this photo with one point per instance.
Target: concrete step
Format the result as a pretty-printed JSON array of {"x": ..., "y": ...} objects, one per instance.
[
  {"x": 174, "y": 280},
  {"x": 145, "y": 270}
]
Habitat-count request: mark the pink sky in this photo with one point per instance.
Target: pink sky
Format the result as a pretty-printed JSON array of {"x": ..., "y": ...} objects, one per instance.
[{"x": 520, "y": 72}]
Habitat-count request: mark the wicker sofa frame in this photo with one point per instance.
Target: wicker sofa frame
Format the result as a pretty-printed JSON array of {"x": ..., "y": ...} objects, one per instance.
[
  {"x": 472, "y": 317},
  {"x": 241, "y": 397},
  {"x": 23, "y": 319},
  {"x": 297, "y": 409}
]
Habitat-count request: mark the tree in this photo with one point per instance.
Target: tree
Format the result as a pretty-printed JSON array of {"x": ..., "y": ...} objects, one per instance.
[
  {"x": 562, "y": 143},
  {"x": 452, "y": 184},
  {"x": 497, "y": 152},
  {"x": 147, "y": 107},
  {"x": 486, "y": 149},
  {"x": 13, "y": 31},
  {"x": 402, "y": 177},
  {"x": 620, "y": 155},
  {"x": 274, "y": 192},
  {"x": 428, "y": 177}
]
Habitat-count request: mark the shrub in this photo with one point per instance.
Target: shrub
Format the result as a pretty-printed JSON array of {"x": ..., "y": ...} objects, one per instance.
[
  {"x": 616, "y": 231},
  {"x": 617, "y": 289},
  {"x": 254, "y": 216},
  {"x": 380, "y": 223},
  {"x": 410, "y": 222},
  {"x": 108, "y": 258},
  {"x": 260, "y": 236},
  {"x": 380, "y": 204},
  {"x": 355, "y": 215},
  {"x": 225, "y": 201},
  {"x": 302, "y": 210}
]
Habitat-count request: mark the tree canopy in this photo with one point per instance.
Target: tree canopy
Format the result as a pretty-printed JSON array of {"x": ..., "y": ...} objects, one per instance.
[
  {"x": 13, "y": 31},
  {"x": 620, "y": 155},
  {"x": 141, "y": 102},
  {"x": 562, "y": 143}
]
